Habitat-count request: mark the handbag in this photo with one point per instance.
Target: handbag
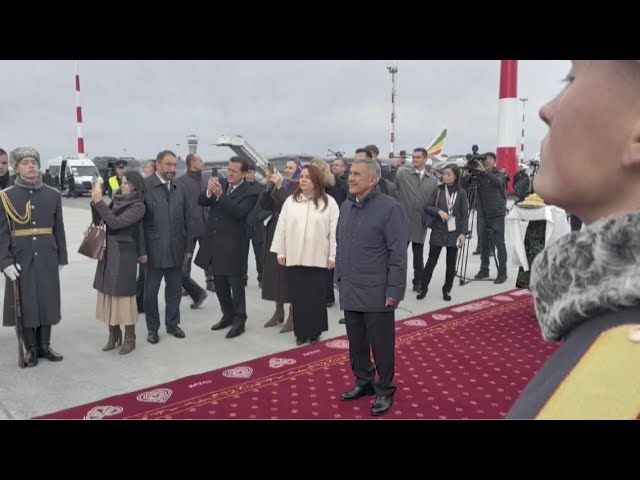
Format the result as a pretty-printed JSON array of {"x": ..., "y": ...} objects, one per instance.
[
  {"x": 95, "y": 242},
  {"x": 427, "y": 218}
]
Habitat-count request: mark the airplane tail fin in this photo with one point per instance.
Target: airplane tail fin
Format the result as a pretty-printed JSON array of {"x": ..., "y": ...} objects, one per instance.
[{"x": 437, "y": 145}]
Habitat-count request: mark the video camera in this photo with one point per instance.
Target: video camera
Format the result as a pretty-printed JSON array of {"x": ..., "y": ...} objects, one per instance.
[
  {"x": 535, "y": 165},
  {"x": 474, "y": 160}
]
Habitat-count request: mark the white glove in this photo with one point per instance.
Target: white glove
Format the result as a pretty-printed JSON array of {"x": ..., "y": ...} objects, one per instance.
[
  {"x": 60, "y": 267},
  {"x": 12, "y": 272}
]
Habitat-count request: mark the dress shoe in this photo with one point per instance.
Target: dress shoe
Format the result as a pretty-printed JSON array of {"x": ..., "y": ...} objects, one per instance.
[
  {"x": 481, "y": 274},
  {"x": 342, "y": 321},
  {"x": 175, "y": 331},
  {"x": 315, "y": 339},
  {"x": 235, "y": 331},
  {"x": 416, "y": 288},
  {"x": 477, "y": 252},
  {"x": 381, "y": 405},
  {"x": 445, "y": 295},
  {"x": 199, "y": 301},
  {"x": 300, "y": 341},
  {"x": 152, "y": 337},
  {"x": 422, "y": 294},
  {"x": 358, "y": 392},
  {"x": 501, "y": 279},
  {"x": 221, "y": 324},
  {"x": 211, "y": 286}
]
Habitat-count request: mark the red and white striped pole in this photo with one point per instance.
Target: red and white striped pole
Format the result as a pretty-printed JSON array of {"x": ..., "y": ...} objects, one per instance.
[
  {"x": 79, "y": 115},
  {"x": 508, "y": 117}
]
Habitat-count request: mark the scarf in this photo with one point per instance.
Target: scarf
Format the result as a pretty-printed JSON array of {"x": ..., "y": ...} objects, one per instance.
[
  {"x": 121, "y": 202},
  {"x": 35, "y": 185}
]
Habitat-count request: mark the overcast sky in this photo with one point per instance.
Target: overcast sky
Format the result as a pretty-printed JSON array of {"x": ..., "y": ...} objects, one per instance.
[{"x": 278, "y": 106}]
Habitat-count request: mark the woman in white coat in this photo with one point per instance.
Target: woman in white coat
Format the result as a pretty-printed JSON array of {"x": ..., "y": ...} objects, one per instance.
[{"x": 305, "y": 242}]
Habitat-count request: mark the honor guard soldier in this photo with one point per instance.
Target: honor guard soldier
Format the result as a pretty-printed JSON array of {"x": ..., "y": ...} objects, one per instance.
[{"x": 33, "y": 250}]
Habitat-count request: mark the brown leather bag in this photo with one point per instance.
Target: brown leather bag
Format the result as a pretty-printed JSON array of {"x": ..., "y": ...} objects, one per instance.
[{"x": 95, "y": 242}]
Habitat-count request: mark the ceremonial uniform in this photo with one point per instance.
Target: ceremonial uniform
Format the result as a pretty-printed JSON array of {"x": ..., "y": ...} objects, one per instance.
[{"x": 32, "y": 236}]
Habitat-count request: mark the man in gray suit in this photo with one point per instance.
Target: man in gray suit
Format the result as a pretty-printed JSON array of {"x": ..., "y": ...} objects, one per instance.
[
  {"x": 415, "y": 186},
  {"x": 165, "y": 245}
]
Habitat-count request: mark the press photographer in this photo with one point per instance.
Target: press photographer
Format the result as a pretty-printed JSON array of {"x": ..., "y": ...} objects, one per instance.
[{"x": 491, "y": 209}]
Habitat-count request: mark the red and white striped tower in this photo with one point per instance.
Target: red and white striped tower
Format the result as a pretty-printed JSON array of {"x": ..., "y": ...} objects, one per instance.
[
  {"x": 79, "y": 115},
  {"x": 524, "y": 101},
  {"x": 393, "y": 69},
  {"x": 508, "y": 117}
]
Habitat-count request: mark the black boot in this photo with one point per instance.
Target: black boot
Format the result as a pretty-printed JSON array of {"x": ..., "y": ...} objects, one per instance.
[
  {"x": 30, "y": 346},
  {"x": 445, "y": 294},
  {"x": 45, "y": 345}
]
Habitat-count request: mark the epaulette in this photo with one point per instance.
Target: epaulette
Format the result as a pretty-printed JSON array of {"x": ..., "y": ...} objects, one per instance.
[{"x": 604, "y": 383}]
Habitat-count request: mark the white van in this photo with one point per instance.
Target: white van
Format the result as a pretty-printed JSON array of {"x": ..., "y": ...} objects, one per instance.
[{"x": 84, "y": 172}]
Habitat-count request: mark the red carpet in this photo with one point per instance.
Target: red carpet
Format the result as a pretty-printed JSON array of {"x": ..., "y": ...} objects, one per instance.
[{"x": 469, "y": 361}]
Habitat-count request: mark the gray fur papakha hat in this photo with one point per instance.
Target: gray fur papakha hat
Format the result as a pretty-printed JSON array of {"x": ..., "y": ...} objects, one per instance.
[{"x": 22, "y": 152}]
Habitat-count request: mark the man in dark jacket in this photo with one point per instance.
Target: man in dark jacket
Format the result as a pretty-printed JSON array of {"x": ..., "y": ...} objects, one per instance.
[
  {"x": 492, "y": 208},
  {"x": 165, "y": 245},
  {"x": 255, "y": 227},
  {"x": 47, "y": 179},
  {"x": 194, "y": 185},
  {"x": 5, "y": 178},
  {"x": 33, "y": 250},
  {"x": 371, "y": 274},
  {"x": 230, "y": 201},
  {"x": 521, "y": 174}
]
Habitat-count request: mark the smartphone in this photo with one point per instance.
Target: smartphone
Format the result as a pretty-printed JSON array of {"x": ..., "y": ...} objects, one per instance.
[
  {"x": 270, "y": 169},
  {"x": 214, "y": 172}
]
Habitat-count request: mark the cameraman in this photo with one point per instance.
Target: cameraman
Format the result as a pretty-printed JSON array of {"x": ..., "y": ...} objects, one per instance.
[{"x": 491, "y": 208}]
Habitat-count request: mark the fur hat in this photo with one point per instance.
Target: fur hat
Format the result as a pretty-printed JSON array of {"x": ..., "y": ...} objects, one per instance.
[{"x": 22, "y": 152}]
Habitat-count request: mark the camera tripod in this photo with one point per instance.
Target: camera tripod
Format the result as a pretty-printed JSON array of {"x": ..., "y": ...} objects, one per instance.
[{"x": 463, "y": 257}]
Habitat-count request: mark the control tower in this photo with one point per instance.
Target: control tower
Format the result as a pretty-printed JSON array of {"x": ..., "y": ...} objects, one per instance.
[{"x": 192, "y": 140}]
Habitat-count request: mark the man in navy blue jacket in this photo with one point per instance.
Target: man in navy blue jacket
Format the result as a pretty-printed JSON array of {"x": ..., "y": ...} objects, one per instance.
[{"x": 371, "y": 275}]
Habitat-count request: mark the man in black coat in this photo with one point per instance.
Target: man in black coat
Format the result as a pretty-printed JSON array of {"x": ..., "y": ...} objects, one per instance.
[
  {"x": 230, "y": 201},
  {"x": 5, "y": 178},
  {"x": 492, "y": 208},
  {"x": 165, "y": 245},
  {"x": 47, "y": 178},
  {"x": 255, "y": 226},
  {"x": 194, "y": 184},
  {"x": 33, "y": 249}
]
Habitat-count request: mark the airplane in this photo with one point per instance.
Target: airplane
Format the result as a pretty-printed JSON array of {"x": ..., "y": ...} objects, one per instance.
[
  {"x": 438, "y": 159},
  {"x": 435, "y": 157}
]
